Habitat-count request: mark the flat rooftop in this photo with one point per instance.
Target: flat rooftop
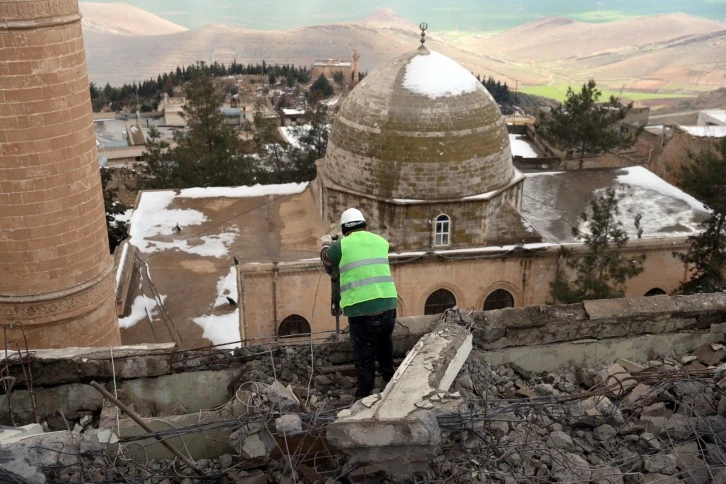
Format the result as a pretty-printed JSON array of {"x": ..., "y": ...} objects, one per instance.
[
  {"x": 553, "y": 202},
  {"x": 191, "y": 269}
]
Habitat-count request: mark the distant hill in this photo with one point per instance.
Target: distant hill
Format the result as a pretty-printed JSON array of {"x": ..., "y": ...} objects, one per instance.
[
  {"x": 673, "y": 53},
  {"x": 124, "y": 19}
]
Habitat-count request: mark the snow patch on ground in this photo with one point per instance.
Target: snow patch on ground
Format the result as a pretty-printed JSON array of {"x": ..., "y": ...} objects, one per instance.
[
  {"x": 139, "y": 309},
  {"x": 435, "y": 75}
]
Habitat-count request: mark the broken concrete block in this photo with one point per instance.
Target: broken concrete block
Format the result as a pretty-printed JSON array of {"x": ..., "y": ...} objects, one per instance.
[
  {"x": 678, "y": 427},
  {"x": 640, "y": 394},
  {"x": 9, "y": 435},
  {"x": 629, "y": 365},
  {"x": 50, "y": 449},
  {"x": 653, "y": 424},
  {"x": 571, "y": 468},
  {"x": 708, "y": 356},
  {"x": 663, "y": 463},
  {"x": 618, "y": 380},
  {"x": 289, "y": 424},
  {"x": 606, "y": 475},
  {"x": 282, "y": 396},
  {"x": 594, "y": 411},
  {"x": 17, "y": 464},
  {"x": 395, "y": 434},
  {"x": 691, "y": 463},
  {"x": 657, "y": 409},
  {"x": 258, "y": 445},
  {"x": 718, "y": 328}
]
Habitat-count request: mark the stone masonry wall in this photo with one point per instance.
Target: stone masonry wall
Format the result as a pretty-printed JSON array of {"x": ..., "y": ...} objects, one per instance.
[{"x": 410, "y": 226}]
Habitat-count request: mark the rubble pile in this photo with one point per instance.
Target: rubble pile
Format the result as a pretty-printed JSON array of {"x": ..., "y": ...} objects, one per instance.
[
  {"x": 621, "y": 422},
  {"x": 663, "y": 421}
]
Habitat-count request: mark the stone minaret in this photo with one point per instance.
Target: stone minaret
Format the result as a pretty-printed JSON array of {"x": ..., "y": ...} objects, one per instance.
[
  {"x": 356, "y": 58},
  {"x": 56, "y": 278}
]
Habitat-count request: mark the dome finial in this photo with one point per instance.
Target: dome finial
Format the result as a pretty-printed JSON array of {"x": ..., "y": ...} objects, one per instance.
[{"x": 423, "y": 26}]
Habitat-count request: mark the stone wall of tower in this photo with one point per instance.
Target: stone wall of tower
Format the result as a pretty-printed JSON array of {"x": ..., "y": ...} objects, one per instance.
[{"x": 56, "y": 280}]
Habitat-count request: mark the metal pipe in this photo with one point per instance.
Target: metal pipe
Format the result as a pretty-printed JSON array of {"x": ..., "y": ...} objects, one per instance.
[{"x": 143, "y": 425}]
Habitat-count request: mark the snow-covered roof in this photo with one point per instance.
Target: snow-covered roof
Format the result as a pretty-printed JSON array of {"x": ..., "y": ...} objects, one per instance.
[
  {"x": 435, "y": 75},
  {"x": 521, "y": 146},
  {"x": 293, "y": 112},
  {"x": 705, "y": 131},
  {"x": 332, "y": 63},
  {"x": 553, "y": 203},
  {"x": 185, "y": 242}
]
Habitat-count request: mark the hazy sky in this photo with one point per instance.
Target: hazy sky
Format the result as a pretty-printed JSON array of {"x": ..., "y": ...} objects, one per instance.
[{"x": 441, "y": 15}]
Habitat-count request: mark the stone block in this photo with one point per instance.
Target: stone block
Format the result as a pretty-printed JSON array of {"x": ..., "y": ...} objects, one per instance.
[{"x": 395, "y": 433}]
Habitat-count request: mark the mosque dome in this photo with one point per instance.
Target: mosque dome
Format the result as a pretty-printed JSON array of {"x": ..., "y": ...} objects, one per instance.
[{"x": 421, "y": 127}]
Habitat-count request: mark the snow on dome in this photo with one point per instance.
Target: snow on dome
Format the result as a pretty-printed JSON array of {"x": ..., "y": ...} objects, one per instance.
[{"x": 435, "y": 75}]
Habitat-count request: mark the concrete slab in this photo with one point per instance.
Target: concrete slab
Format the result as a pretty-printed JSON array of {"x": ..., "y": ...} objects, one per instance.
[
  {"x": 629, "y": 307},
  {"x": 589, "y": 352},
  {"x": 397, "y": 431}
]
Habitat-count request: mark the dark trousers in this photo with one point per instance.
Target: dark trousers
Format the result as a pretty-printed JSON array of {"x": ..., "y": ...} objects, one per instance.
[{"x": 370, "y": 337}]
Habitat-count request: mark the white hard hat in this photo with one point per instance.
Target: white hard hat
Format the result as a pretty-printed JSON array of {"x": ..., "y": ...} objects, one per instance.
[{"x": 352, "y": 218}]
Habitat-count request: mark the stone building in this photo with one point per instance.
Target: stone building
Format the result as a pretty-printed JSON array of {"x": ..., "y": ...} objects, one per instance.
[
  {"x": 329, "y": 67},
  {"x": 56, "y": 277},
  {"x": 422, "y": 149}
]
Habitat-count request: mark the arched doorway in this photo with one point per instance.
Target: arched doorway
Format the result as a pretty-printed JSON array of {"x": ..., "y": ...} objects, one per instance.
[
  {"x": 293, "y": 325},
  {"x": 656, "y": 291},
  {"x": 439, "y": 301},
  {"x": 499, "y": 299}
]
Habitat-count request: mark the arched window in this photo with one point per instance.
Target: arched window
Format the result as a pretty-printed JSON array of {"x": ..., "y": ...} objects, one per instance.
[
  {"x": 656, "y": 291},
  {"x": 293, "y": 325},
  {"x": 439, "y": 301},
  {"x": 499, "y": 299},
  {"x": 442, "y": 230}
]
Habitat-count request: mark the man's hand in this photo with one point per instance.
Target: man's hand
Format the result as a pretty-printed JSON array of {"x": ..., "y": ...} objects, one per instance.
[{"x": 326, "y": 241}]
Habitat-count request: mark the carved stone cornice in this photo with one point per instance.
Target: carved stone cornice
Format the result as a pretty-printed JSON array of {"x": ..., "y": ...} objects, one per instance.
[
  {"x": 21, "y": 15},
  {"x": 58, "y": 306}
]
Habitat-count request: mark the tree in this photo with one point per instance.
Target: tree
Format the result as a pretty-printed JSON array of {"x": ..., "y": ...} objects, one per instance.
[
  {"x": 705, "y": 179},
  {"x": 584, "y": 124},
  {"x": 208, "y": 152},
  {"x": 117, "y": 230},
  {"x": 338, "y": 78},
  {"x": 321, "y": 88},
  {"x": 601, "y": 272}
]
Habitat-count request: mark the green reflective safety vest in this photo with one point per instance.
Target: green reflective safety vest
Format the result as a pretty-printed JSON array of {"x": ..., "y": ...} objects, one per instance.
[{"x": 364, "y": 271}]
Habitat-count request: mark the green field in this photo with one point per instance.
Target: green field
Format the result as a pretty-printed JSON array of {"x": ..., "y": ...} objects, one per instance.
[{"x": 559, "y": 92}]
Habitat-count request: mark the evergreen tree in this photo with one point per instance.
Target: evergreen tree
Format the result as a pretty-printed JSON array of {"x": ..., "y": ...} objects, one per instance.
[
  {"x": 321, "y": 88},
  {"x": 585, "y": 124},
  {"x": 705, "y": 179},
  {"x": 208, "y": 152},
  {"x": 117, "y": 230},
  {"x": 602, "y": 270},
  {"x": 338, "y": 78}
]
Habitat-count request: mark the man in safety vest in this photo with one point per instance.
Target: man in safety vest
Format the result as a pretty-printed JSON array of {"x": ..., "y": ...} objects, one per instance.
[{"x": 367, "y": 296}]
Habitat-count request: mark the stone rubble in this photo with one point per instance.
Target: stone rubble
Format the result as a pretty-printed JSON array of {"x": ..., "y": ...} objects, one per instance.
[{"x": 620, "y": 422}]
